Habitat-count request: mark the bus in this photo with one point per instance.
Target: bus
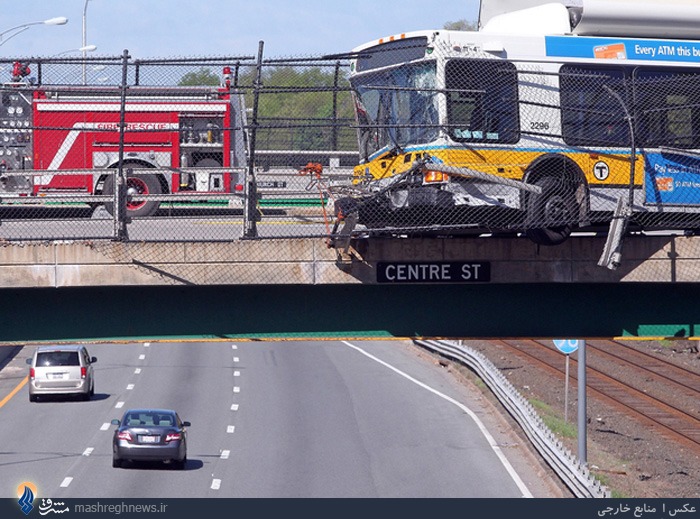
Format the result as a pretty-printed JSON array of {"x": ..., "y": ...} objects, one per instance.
[{"x": 545, "y": 121}]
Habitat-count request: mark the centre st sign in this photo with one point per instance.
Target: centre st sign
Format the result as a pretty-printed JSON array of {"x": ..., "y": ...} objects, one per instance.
[{"x": 434, "y": 272}]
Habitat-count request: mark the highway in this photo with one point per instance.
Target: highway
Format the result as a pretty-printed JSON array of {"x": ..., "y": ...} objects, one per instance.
[{"x": 269, "y": 419}]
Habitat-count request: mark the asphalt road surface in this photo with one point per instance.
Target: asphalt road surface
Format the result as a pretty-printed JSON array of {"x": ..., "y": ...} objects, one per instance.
[{"x": 269, "y": 419}]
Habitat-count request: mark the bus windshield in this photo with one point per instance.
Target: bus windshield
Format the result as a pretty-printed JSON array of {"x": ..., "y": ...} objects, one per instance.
[{"x": 396, "y": 107}]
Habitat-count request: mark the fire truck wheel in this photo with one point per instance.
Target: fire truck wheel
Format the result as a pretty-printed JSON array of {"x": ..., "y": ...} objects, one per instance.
[{"x": 135, "y": 185}]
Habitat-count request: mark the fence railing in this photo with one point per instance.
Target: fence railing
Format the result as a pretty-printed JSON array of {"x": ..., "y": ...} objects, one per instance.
[{"x": 249, "y": 147}]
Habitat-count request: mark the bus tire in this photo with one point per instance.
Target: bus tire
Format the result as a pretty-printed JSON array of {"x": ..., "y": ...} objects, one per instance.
[
  {"x": 556, "y": 205},
  {"x": 136, "y": 184}
]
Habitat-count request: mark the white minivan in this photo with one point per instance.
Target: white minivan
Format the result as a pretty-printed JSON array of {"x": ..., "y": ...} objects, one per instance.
[{"x": 61, "y": 370}]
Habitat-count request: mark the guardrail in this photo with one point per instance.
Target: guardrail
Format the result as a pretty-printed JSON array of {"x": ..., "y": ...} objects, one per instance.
[{"x": 573, "y": 473}]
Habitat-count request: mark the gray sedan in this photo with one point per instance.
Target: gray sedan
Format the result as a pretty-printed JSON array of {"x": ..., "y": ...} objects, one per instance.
[{"x": 150, "y": 435}]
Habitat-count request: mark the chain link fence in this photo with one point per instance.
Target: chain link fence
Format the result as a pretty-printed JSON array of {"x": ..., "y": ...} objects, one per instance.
[{"x": 411, "y": 139}]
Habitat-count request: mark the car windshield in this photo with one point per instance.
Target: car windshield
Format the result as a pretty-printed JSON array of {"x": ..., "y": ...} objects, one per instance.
[
  {"x": 396, "y": 107},
  {"x": 138, "y": 418},
  {"x": 57, "y": 358}
]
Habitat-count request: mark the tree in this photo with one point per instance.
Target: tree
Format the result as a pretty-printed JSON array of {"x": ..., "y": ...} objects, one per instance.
[
  {"x": 203, "y": 76},
  {"x": 460, "y": 25}
]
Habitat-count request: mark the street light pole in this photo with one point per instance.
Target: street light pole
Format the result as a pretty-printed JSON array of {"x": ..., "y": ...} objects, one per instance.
[
  {"x": 84, "y": 49},
  {"x": 59, "y": 20},
  {"x": 84, "y": 38}
]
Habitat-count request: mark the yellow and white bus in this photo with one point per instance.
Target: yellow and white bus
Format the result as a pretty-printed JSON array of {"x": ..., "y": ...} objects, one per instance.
[{"x": 544, "y": 121}]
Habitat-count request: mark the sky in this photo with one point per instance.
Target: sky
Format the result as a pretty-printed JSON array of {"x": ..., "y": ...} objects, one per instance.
[{"x": 190, "y": 28}]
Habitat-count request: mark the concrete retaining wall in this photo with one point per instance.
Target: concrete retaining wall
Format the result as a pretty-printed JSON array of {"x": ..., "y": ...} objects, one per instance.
[{"x": 312, "y": 262}]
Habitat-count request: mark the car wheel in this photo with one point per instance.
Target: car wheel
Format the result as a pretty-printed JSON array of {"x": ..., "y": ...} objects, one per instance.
[
  {"x": 180, "y": 464},
  {"x": 116, "y": 462},
  {"x": 33, "y": 398}
]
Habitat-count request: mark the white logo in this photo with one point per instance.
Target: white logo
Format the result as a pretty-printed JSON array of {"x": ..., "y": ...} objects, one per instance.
[{"x": 601, "y": 171}]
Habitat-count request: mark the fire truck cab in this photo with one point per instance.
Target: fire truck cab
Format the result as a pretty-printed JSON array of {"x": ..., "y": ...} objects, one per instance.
[{"x": 67, "y": 140}]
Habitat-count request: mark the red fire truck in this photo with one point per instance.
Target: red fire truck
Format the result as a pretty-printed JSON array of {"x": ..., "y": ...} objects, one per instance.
[{"x": 58, "y": 141}]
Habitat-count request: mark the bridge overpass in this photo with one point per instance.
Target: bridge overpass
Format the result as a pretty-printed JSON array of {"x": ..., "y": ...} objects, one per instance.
[{"x": 291, "y": 288}]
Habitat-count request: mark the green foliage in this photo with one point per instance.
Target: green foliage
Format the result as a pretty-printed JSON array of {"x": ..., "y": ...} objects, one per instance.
[
  {"x": 202, "y": 77},
  {"x": 460, "y": 25},
  {"x": 295, "y": 108}
]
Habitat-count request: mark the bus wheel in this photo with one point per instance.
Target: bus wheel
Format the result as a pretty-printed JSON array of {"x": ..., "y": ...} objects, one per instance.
[
  {"x": 550, "y": 215},
  {"x": 135, "y": 185}
]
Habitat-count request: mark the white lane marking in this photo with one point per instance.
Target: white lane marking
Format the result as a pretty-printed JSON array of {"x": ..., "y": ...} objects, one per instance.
[
  {"x": 105, "y": 426},
  {"x": 236, "y": 373},
  {"x": 225, "y": 455},
  {"x": 142, "y": 356},
  {"x": 88, "y": 451},
  {"x": 235, "y": 359},
  {"x": 236, "y": 389},
  {"x": 215, "y": 484},
  {"x": 66, "y": 482},
  {"x": 230, "y": 429},
  {"x": 130, "y": 386},
  {"x": 494, "y": 446},
  {"x": 137, "y": 371},
  {"x": 119, "y": 405},
  {"x": 146, "y": 344},
  {"x": 234, "y": 347},
  {"x": 234, "y": 407}
]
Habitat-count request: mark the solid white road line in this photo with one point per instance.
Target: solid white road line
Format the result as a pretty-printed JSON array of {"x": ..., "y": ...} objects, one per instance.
[{"x": 494, "y": 446}]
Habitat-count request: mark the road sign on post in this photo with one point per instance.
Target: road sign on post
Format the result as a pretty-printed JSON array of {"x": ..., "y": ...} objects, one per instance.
[{"x": 567, "y": 346}]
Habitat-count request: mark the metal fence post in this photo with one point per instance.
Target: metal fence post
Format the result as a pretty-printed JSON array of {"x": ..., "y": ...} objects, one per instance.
[
  {"x": 120, "y": 186},
  {"x": 250, "y": 215},
  {"x": 334, "y": 130}
]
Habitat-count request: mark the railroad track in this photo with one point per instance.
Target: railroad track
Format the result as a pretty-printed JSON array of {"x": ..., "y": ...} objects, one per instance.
[{"x": 663, "y": 395}]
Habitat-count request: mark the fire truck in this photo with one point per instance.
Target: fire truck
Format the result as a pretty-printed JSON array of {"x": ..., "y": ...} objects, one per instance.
[{"x": 65, "y": 140}]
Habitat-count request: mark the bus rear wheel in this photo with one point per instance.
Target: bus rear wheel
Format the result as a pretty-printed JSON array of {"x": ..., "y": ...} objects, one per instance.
[
  {"x": 550, "y": 214},
  {"x": 136, "y": 184}
]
